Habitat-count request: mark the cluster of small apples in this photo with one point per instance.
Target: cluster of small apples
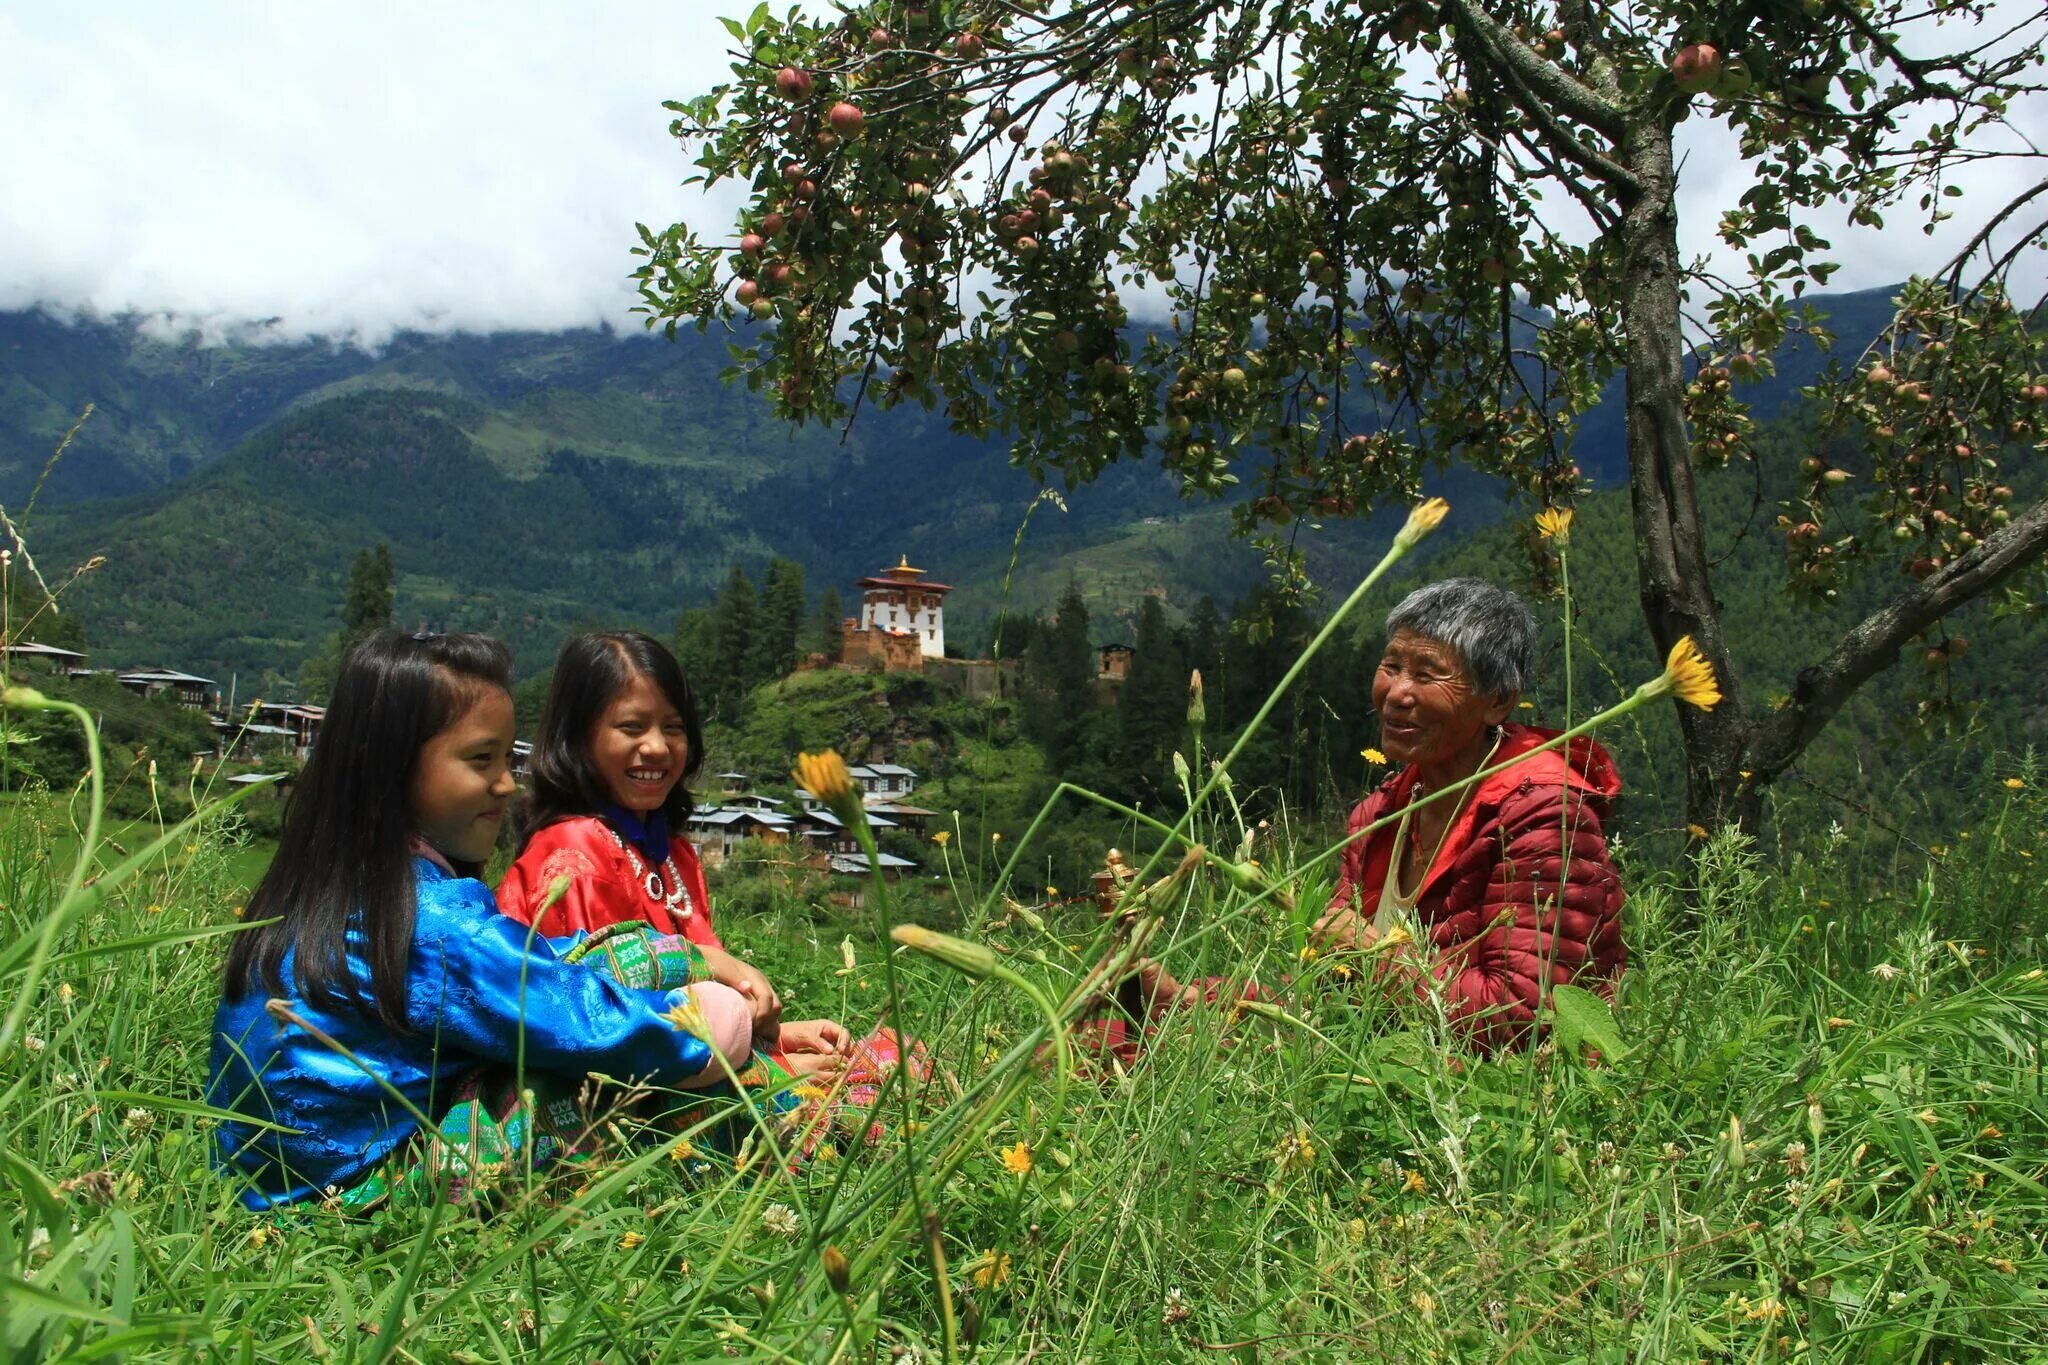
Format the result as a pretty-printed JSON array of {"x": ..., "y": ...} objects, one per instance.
[
  {"x": 1060, "y": 189},
  {"x": 1158, "y": 72},
  {"x": 1720, "y": 424},
  {"x": 1934, "y": 410}
]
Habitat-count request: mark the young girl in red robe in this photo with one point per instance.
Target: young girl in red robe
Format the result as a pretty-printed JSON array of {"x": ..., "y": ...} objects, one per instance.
[{"x": 607, "y": 799}]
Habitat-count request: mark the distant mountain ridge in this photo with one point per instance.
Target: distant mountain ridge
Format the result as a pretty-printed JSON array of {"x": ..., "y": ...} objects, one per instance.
[{"x": 531, "y": 482}]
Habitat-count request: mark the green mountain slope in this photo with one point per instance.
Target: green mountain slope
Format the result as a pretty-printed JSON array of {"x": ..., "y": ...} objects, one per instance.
[{"x": 529, "y": 481}]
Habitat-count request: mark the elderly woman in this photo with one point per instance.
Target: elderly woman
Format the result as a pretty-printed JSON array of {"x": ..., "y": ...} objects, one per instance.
[{"x": 1505, "y": 886}]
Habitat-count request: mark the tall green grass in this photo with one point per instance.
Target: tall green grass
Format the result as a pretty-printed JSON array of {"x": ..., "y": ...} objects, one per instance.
[{"x": 1814, "y": 1128}]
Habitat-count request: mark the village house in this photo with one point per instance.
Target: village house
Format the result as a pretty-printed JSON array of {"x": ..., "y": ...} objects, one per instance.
[
  {"x": 718, "y": 830},
  {"x": 183, "y": 688},
  {"x": 883, "y": 779},
  {"x": 1114, "y": 662},
  {"x": 48, "y": 658}
]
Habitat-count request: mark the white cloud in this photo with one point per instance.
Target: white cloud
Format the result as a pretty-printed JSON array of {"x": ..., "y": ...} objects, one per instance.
[
  {"x": 359, "y": 168},
  {"x": 347, "y": 168}
]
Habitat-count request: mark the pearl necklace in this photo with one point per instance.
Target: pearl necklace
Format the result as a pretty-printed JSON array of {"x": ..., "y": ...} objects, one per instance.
[{"x": 652, "y": 880}]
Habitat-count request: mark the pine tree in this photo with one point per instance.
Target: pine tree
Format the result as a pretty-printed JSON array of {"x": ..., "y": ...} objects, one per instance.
[
  {"x": 367, "y": 604},
  {"x": 734, "y": 622},
  {"x": 781, "y": 616},
  {"x": 1152, "y": 709},
  {"x": 827, "y": 620},
  {"x": 1063, "y": 662},
  {"x": 693, "y": 644}
]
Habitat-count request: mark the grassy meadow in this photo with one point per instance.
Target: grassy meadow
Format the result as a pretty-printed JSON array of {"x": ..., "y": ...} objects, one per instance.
[{"x": 1812, "y": 1127}]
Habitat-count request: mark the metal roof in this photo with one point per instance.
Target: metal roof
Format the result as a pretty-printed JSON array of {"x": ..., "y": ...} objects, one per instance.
[
  {"x": 856, "y": 863},
  {"x": 41, "y": 651},
  {"x": 169, "y": 675}
]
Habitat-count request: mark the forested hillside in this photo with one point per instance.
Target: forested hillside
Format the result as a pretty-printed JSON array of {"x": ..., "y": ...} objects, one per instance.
[{"x": 527, "y": 482}]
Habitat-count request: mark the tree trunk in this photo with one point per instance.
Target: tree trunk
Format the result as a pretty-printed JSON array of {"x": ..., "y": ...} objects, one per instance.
[{"x": 1671, "y": 562}]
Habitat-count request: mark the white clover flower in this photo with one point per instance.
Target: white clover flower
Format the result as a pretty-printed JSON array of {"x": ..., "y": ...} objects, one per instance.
[
  {"x": 33, "y": 1044},
  {"x": 1885, "y": 971},
  {"x": 1176, "y": 1307},
  {"x": 780, "y": 1219},
  {"x": 139, "y": 1120}
]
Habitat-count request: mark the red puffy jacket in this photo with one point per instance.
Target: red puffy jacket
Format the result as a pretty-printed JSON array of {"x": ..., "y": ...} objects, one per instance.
[{"x": 1520, "y": 897}]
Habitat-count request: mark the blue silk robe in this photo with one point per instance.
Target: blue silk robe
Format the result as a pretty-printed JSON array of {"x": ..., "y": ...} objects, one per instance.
[{"x": 464, "y": 1007}]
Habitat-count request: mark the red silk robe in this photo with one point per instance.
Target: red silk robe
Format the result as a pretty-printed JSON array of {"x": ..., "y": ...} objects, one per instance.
[{"x": 608, "y": 883}]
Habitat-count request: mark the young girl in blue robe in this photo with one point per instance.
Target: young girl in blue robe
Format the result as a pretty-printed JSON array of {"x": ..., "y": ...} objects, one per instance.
[{"x": 388, "y": 1025}]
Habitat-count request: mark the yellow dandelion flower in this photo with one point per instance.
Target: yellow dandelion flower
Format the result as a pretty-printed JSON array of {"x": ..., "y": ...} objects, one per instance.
[
  {"x": 261, "y": 1236},
  {"x": 682, "y": 1150},
  {"x": 1374, "y": 757},
  {"x": 943, "y": 837},
  {"x": 684, "y": 1016},
  {"x": 824, "y": 776},
  {"x": 1696, "y": 831},
  {"x": 1017, "y": 1158},
  {"x": 1554, "y": 524},
  {"x": 992, "y": 1270},
  {"x": 1413, "y": 1183},
  {"x": 1296, "y": 1152},
  {"x": 1309, "y": 953},
  {"x": 156, "y": 909},
  {"x": 1052, "y": 892},
  {"x": 2014, "y": 783},
  {"x": 1692, "y": 676},
  {"x": 1979, "y": 1179},
  {"x": 1526, "y": 705},
  {"x": 1991, "y": 1130},
  {"x": 996, "y": 838},
  {"x": 1426, "y": 517},
  {"x": 1393, "y": 939},
  {"x": 630, "y": 1240},
  {"x": 1837, "y": 1021}
]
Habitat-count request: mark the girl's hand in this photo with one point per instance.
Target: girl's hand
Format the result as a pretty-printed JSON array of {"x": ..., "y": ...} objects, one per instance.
[
  {"x": 747, "y": 980},
  {"x": 815, "y": 1036}
]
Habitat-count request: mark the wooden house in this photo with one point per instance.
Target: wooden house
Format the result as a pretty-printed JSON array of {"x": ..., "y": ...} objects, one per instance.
[{"x": 183, "y": 688}]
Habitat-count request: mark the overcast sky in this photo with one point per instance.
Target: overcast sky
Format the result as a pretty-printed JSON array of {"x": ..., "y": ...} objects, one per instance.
[{"x": 356, "y": 168}]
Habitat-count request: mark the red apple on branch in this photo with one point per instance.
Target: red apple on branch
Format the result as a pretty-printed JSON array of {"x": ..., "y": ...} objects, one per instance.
[
  {"x": 1696, "y": 67},
  {"x": 847, "y": 119},
  {"x": 793, "y": 83}
]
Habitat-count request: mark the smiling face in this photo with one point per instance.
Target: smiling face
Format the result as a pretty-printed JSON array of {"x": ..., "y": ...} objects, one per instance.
[
  {"x": 1429, "y": 713},
  {"x": 463, "y": 780},
  {"x": 640, "y": 746}
]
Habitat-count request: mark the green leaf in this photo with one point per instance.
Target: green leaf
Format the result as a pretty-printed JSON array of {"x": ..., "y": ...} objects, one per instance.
[
  {"x": 1579, "y": 1016},
  {"x": 189, "y": 1108},
  {"x": 22, "y": 1292}
]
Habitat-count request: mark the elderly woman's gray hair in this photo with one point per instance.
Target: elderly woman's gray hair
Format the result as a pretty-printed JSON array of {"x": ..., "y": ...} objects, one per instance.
[{"x": 1492, "y": 630}]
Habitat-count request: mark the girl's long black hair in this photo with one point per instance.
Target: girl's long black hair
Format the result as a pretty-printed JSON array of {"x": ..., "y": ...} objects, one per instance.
[
  {"x": 346, "y": 845},
  {"x": 590, "y": 672}
]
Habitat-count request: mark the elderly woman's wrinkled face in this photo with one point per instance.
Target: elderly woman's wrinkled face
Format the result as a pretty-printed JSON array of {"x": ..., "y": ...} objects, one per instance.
[{"x": 1429, "y": 712}]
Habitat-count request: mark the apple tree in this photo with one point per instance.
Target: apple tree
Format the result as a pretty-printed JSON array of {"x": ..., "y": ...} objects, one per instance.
[{"x": 1390, "y": 235}]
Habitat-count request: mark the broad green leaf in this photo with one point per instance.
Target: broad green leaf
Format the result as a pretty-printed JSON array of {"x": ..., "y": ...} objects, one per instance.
[{"x": 1581, "y": 1017}]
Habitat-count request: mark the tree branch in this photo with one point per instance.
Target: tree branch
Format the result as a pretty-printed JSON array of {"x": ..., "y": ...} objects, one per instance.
[
  {"x": 1874, "y": 643},
  {"x": 1545, "y": 79}
]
